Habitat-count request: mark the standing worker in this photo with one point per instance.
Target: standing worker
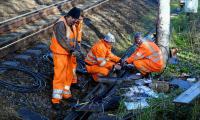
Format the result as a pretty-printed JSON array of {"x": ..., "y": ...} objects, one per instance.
[
  {"x": 100, "y": 60},
  {"x": 63, "y": 49},
  {"x": 147, "y": 58}
]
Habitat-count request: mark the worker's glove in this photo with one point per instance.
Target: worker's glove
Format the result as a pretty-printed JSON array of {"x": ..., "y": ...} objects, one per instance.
[
  {"x": 118, "y": 66},
  {"x": 76, "y": 53}
]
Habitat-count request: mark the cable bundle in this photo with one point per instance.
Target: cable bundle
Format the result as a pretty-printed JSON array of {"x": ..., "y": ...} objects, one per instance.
[{"x": 37, "y": 85}]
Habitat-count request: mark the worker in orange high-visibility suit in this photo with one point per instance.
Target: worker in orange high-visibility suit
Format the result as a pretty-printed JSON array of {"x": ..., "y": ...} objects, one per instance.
[
  {"x": 78, "y": 28},
  {"x": 63, "y": 49},
  {"x": 100, "y": 60},
  {"x": 147, "y": 58}
]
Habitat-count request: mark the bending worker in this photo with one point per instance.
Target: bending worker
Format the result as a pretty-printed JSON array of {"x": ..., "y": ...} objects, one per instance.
[
  {"x": 63, "y": 49},
  {"x": 100, "y": 60},
  {"x": 147, "y": 58}
]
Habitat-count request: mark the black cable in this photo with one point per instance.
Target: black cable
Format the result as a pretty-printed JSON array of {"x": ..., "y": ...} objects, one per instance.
[
  {"x": 48, "y": 57},
  {"x": 80, "y": 61},
  {"x": 37, "y": 85},
  {"x": 80, "y": 68}
]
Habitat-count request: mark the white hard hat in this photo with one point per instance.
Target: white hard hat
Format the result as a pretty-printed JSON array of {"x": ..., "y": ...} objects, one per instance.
[{"x": 109, "y": 38}]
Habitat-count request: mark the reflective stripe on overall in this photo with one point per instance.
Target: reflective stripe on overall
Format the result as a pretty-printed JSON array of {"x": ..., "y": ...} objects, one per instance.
[{"x": 63, "y": 74}]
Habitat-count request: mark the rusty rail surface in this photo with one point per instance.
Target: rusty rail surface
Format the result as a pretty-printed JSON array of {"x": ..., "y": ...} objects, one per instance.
[
  {"x": 13, "y": 23},
  {"x": 26, "y": 39}
]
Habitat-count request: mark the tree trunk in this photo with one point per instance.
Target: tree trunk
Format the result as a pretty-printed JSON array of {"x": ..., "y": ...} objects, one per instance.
[{"x": 163, "y": 28}]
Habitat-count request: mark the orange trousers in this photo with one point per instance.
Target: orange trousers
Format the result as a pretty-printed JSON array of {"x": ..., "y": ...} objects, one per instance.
[
  {"x": 63, "y": 75},
  {"x": 74, "y": 65},
  {"x": 97, "y": 70},
  {"x": 146, "y": 66}
]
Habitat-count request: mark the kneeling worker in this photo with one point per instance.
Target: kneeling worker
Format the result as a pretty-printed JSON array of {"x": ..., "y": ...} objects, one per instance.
[
  {"x": 100, "y": 60},
  {"x": 147, "y": 58}
]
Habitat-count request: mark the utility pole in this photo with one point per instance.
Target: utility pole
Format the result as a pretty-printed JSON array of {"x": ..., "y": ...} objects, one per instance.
[{"x": 163, "y": 28}]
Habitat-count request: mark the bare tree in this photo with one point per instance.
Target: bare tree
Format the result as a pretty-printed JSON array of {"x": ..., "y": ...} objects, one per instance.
[{"x": 163, "y": 28}]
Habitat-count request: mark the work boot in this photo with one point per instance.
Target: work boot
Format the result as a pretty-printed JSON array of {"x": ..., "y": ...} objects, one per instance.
[
  {"x": 56, "y": 106},
  {"x": 67, "y": 94},
  {"x": 146, "y": 76}
]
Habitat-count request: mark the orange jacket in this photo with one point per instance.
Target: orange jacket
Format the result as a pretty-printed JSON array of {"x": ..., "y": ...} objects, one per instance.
[
  {"x": 70, "y": 35},
  {"x": 79, "y": 27},
  {"x": 147, "y": 50},
  {"x": 100, "y": 53}
]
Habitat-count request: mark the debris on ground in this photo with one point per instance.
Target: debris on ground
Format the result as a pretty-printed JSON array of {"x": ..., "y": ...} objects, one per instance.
[
  {"x": 182, "y": 84},
  {"x": 191, "y": 79},
  {"x": 189, "y": 95},
  {"x": 137, "y": 95},
  {"x": 160, "y": 86},
  {"x": 139, "y": 104}
]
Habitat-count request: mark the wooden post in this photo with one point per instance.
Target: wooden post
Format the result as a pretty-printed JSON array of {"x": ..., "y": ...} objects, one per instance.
[{"x": 163, "y": 28}]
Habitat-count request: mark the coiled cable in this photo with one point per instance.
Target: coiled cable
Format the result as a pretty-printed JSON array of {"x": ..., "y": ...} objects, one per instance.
[{"x": 38, "y": 83}]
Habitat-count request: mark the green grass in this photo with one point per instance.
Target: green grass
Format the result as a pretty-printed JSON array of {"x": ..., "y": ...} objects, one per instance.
[
  {"x": 121, "y": 109},
  {"x": 162, "y": 108},
  {"x": 196, "y": 111},
  {"x": 184, "y": 36},
  {"x": 174, "y": 4}
]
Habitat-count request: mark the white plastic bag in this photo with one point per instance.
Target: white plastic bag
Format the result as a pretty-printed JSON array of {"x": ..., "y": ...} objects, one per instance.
[{"x": 191, "y": 6}]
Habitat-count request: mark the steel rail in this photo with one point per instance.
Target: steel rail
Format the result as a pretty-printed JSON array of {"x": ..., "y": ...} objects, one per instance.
[
  {"x": 99, "y": 3},
  {"x": 13, "y": 23},
  {"x": 12, "y": 44},
  {"x": 35, "y": 11}
]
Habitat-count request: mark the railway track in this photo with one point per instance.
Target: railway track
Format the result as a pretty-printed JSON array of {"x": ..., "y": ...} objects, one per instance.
[{"x": 16, "y": 33}]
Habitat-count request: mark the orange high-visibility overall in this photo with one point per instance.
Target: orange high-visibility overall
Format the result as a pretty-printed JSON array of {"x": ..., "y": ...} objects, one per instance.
[
  {"x": 100, "y": 60},
  {"x": 147, "y": 58},
  {"x": 63, "y": 68}
]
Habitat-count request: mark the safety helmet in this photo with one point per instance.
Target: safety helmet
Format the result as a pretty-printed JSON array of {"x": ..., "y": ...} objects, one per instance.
[
  {"x": 109, "y": 38},
  {"x": 138, "y": 38}
]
